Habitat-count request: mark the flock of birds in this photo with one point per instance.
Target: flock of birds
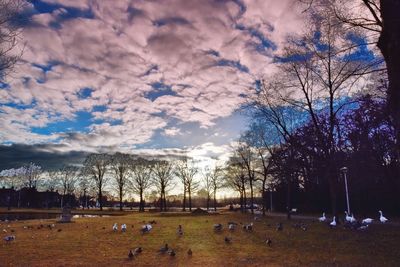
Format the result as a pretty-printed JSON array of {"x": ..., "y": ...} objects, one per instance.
[
  {"x": 145, "y": 229},
  {"x": 218, "y": 227},
  {"x": 12, "y": 237},
  {"x": 351, "y": 220}
]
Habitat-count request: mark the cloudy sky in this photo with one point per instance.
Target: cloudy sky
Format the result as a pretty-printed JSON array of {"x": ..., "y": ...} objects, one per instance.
[{"x": 154, "y": 77}]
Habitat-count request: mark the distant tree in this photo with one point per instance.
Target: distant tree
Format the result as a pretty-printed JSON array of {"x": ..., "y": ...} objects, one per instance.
[
  {"x": 31, "y": 175},
  {"x": 120, "y": 166},
  {"x": 246, "y": 153},
  {"x": 96, "y": 165},
  {"x": 215, "y": 178},
  {"x": 163, "y": 171},
  {"x": 235, "y": 178},
  {"x": 51, "y": 180},
  {"x": 186, "y": 171},
  {"x": 12, "y": 179},
  {"x": 85, "y": 185},
  {"x": 9, "y": 34},
  {"x": 181, "y": 173},
  {"x": 263, "y": 139},
  {"x": 208, "y": 185},
  {"x": 141, "y": 178},
  {"x": 67, "y": 177}
]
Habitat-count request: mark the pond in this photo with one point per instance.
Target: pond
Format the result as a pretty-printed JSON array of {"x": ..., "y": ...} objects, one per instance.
[{"x": 37, "y": 215}]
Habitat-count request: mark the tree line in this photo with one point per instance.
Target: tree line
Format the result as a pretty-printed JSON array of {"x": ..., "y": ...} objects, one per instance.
[{"x": 124, "y": 174}]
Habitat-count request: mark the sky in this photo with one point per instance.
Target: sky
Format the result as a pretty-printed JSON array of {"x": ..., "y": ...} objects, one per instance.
[{"x": 159, "y": 77}]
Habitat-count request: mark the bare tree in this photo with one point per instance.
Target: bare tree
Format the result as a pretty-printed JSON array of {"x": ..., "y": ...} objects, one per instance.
[
  {"x": 85, "y": 185},
  {"x": 319, "y": 71},
  {"x": 31, "y": 175},
  {"x": 208, "y": 185},
  {"x": 67, "y": 176},
  {"x": 262, "y": 138},
  {"x": 96, "y": 165},
  {"x": 379, "y": 22},
  {"x": 215, "y": 178},
  {"x": 235, "y": 178},
  {"x": 9, "y": 34},
  {"x": 141, "y": 178},
  {"x": 180, "y": 172},
  {"x": 12, "y": 179},
  {"x": 120, "y": 166},
  {"x": 186, "y": 171},
  {"x": 162, "y": 179},
  {"x": 247, "y": 155}
]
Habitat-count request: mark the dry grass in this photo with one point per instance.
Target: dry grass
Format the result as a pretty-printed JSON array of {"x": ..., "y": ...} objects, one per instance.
[{"x": 85, "y": 242}]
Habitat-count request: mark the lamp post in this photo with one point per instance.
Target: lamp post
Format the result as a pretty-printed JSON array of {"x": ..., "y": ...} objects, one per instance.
[{"x": 344, "y": 170}]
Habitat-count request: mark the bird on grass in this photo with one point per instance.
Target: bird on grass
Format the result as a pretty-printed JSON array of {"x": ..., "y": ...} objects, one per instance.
[
  {"x": 352, "y": 219},
  {"x": 163, "y": 249},
  {"x": 123, "y": 228},
  {"x": 248, "y": 227},
  {"x": 268, "y": 242},
  {"x": 348, "y": 217},
  {"x": 279, "y": 227},
  {"x": 115, "y": 227},
  {"x": 382, "y": 218},
  {"x": 363, "y": 227},
  {"x": 231, "y": 227},
  {"x": 137, "y": 251},
  {"x": 130, "y": 254},
  {"x": 333, "y": 222},
  {"x": 217, "y": 227},
  {"x": 146, "y": 228},
  {"x": 172, "y": 253},
  {"x": 323, "y": 218},
  {"x": 180, "y": 230},
  {"x": 227, "y": 240},
  {"x": 9, "y": 238},
  {"x": 367, "y": 221},
  {"x": 190, "y": 252}
]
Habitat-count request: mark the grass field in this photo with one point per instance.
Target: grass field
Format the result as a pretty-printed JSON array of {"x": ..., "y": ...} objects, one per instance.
[{"x": 91, "y": 242}]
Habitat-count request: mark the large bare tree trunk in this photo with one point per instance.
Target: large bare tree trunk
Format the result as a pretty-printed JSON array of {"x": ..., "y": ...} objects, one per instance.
[
  {"x": 141, "y": 204},
  {"x": 184, "y": 199},
  {"x": 190, "y": 198},
  {"x": 120, "y": 197},
  {"x": 101, "y": 199},
  {"x": 289, "y": 199},
  {"x": 215, "y": 200},
  {"x": 389, "y": 44},
  {"x": 251, "y": 196}
]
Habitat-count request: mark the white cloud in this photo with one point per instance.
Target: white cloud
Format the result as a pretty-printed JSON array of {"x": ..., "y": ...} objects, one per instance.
[{"x": 125, "y": 48}]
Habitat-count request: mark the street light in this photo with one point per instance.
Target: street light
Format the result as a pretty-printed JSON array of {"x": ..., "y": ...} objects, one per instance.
[{"x": 344, "y": 170}]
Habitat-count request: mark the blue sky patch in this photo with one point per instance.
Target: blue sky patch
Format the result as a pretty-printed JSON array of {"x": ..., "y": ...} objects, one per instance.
[{"x": 159, "y": 89}]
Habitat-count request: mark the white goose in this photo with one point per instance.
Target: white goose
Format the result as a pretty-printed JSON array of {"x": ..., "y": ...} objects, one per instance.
[
  {"x": 352, "y": 219},
  {"x": 333, "y": 222},
  {"x": 382, "y": 218},
  {"x": 115, "y": 227},
  {"x": 323, "y": 218},
  {"x": 367, "y": 221},
  {"x": 348, "y": 218}
]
